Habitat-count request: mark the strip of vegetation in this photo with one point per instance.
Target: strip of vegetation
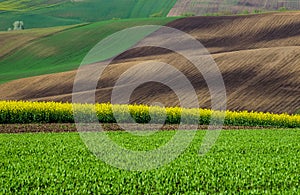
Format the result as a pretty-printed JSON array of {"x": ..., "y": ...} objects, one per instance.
[{"x": 12, "y": 112}]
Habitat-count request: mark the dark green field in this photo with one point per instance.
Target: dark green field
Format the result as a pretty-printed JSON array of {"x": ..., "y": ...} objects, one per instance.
[
  {"x": 64, "y": 12},
  {"x": 242, "y": 161}
]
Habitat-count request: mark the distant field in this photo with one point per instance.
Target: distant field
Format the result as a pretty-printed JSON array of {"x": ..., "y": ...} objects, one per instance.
[
  {"x": 244, "y": 161},
  {"x": 58, "y": 53},
  {"x": 221, "y": 7},
  {"x": 33, "y": 20},
  {"x": 65, "y": 12},
  {"x": 23, "y": 5}
]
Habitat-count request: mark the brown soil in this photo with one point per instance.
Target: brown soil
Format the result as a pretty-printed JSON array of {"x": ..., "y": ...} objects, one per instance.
[
  {"x": 58, "y": 128},
  {"x": 258, "y": 55}
]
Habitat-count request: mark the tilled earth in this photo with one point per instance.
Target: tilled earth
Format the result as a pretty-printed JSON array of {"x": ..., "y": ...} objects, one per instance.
[{"x": 68, "y": 127}]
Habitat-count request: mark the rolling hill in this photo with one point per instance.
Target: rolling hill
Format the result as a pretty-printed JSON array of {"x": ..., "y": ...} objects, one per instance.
[
  {"x": 57, "y": 53},
  {"x": 65, "y": 12},
  {"x": 14, "y": 40},
  {"x": 258, "y": 55}
]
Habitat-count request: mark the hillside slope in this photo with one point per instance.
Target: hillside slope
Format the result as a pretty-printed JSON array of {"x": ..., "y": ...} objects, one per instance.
[
  {"x": 65, "y": 12},
  {"x": 59, "y": 52},
  {"x": 11, "y": 41},
  {"x": 258, "y": 55}
]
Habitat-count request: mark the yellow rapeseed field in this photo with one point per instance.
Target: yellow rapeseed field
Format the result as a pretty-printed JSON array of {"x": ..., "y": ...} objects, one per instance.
[{"x": 54, "y": 112}]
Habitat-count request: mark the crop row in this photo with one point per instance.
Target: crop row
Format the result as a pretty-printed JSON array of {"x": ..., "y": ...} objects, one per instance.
[{"x": 52, "y": 112}]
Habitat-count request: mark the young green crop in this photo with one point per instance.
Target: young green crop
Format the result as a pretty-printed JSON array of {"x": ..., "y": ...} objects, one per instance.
[
  {"x": 243, "y": 161},
  {"x": 53, "y": 112},
  {"x": 62, "y": 53}
]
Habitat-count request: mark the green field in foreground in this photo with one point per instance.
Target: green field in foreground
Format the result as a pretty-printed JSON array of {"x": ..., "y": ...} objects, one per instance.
[
  {"x": 65, "y": 50},
  {"x": 243, "y": 161}
]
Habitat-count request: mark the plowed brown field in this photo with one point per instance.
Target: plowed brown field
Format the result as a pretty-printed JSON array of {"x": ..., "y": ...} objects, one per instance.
[{"x": 258, "y": 55}]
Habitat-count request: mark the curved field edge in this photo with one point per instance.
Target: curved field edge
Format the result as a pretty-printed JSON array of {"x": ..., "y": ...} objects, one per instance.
[
  {"x": 57, "y": 53},
  {"x": 13, "y": 112},
  {"x": 258, "y": 162}
]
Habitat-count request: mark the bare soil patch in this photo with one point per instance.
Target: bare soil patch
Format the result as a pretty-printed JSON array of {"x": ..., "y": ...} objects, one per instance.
[{"x": 66, "y": 127}]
